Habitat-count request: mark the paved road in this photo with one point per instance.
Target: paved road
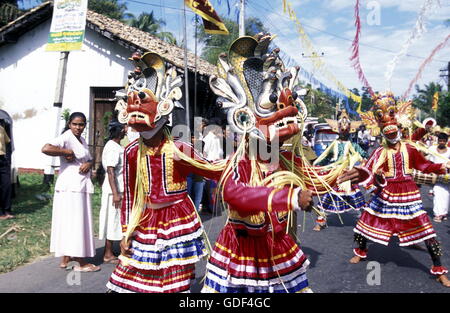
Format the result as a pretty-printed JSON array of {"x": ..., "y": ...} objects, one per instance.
[{"x": 402, "y": 270}]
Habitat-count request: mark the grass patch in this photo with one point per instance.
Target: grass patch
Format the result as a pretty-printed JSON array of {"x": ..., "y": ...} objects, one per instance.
[{"x": 32, "y": 223}]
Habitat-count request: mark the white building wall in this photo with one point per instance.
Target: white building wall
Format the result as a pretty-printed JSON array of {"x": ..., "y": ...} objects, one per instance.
[{"x": 28, "y": 80}]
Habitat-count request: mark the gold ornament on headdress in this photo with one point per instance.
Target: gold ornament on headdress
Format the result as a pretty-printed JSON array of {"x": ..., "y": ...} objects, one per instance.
[{"x": 334, "y": 124}]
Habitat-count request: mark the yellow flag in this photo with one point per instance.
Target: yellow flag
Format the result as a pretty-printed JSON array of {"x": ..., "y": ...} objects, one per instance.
[
  {"x": 211, "y": 20},
  {"x": 434, "y": 105}
]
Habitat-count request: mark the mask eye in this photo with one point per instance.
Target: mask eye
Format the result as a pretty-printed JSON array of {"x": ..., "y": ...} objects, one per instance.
[
  {"x": 379, "y": 114},
  {"x": 273, "y": 98},
  {"x": 391, "y": 111}
]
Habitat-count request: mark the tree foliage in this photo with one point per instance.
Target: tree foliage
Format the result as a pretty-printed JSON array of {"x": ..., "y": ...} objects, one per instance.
[
  {"x": 110, "y": 8},
  {"x": 320, "y": 104},
  {"x": 216, "y": 44},
  {"x": 9, "y": 11},
  {"x": 423, "y": 100},
  {"x": 147, "y": 23}
]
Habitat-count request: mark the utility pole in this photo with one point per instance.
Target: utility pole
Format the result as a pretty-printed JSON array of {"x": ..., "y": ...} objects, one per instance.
[
  {"x": 49, "y": 171},
  {"x": 242, "y": 19},
  {"x": 186, "y": 72},
  {"x": 195, "y": 68},
  {"x": 447, "y": 76}
]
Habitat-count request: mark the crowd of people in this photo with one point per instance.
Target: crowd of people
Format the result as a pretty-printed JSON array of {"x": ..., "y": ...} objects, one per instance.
[
  {"x": 72, "y": 229},
  {"x": 156, "y": 186}
]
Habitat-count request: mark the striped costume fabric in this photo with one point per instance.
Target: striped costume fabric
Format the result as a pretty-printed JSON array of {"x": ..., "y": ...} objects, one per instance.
[
  {"x": 173, "y": 279},
  {"x": 256, "y": 264},
  {"x": 409, "y": 232},
  {"x": 338, "y": 201},
  {"x": 168, "y": 239},
  {"x": 396, "y": 208},
  {"x": 165, "y": 247}
]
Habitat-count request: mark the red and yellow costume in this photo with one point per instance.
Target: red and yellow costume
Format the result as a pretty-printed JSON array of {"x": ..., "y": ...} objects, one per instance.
[
  {"x": 253, "y": 252},
  {"x": 158, "y": 218},
  {"x": 168, "y": 240},
  {"x": 396, "y": 208}
]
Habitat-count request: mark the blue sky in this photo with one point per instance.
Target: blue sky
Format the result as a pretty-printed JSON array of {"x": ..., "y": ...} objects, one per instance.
[
  {"x": 329, "y": 24},
  {"x": 323, "y": 20}
]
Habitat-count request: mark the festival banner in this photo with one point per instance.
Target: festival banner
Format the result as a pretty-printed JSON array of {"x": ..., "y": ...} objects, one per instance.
[
  {"x": 424, "y": 64},
  {"x": 211, "y": 21},
  {"x": 68, "y": 25},
  {"x": 355, "y": 53},
  {"x": 317, "y": 62},
  {"x": 416, "y": 33},
  {"x": 434, "y": 105},
  {"x": 317, "y": 83}
]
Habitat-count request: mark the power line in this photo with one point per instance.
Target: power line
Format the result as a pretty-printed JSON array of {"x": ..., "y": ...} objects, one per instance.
[
  {"x": 340, "y": 37},
  {"x": 259, "y": 7},
  {"x": 154, "y": 5}
]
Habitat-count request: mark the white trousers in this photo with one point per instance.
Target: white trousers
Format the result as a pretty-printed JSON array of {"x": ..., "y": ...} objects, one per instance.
[{"x": 441, "y": 199}]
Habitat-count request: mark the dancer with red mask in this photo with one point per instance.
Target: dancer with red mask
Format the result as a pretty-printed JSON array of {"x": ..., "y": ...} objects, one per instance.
[{"x": 396, "y": 207}]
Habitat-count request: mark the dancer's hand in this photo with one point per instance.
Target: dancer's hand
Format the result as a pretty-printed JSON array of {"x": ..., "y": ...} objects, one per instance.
[
  {"x": 305, "y": 200},
  {"x": 379, "y": 174},
  {"x": 447, "y": 165},
  {"x": 353, "y": 175},
  {"x": 125, "y": 249}
]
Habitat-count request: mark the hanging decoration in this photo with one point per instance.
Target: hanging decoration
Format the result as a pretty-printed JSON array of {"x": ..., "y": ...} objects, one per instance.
[
  {"x": 317, "y": 62},
  {"x": 211, "y": 20},
  {"x": 355, "y": 51},
  {"x": 315, "y": 82},
  {"x": 416, "y": 33},
  {"x": 434, "y": 104},
  {"x": 424, "y": 64}
]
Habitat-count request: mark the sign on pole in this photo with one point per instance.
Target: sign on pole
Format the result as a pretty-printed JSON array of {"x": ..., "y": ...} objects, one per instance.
[{"x": 68, "y": 25}]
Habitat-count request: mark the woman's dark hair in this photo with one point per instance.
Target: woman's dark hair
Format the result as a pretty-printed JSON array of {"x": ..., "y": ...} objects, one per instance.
[
  {"x": 72, "y": 117},
  {"x": 114, "y": 129},
  {"x": 443, "y": 136}
]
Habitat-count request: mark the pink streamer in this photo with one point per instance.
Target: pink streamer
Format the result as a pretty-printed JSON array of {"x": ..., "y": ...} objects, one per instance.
[
  {"x": 355, "y": 54},
  {"x": 424, "y": 64}
]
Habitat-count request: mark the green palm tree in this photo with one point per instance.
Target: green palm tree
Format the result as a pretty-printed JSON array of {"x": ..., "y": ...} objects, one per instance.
[
  {"x": 424, "y": 96},
  {"x": 168, "y": 37},
  {"x": 423, "y": 101},
  {"x": 9, "y": 11},
  {"x": 110, "y": 8},
  {"x": 147, "y": 23}
]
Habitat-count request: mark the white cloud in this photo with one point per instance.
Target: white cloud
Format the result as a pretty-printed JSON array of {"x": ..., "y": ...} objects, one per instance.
[{"x": 388, "y": 37}]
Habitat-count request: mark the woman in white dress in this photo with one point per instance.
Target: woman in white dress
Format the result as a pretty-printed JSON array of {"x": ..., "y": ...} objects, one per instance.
[
  {"x": 441, "y": 201},
  {"x": 72, "y": 234},
  {"x": 110, "y": 227}
]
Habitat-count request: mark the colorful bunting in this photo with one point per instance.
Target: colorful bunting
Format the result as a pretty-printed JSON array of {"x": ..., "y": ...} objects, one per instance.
[
  {"x": 416, "y": 33},
  {"x": 424, "y": 64},
  {"x": 317, "y": 62},
  {"x": 355, "y": 49}
]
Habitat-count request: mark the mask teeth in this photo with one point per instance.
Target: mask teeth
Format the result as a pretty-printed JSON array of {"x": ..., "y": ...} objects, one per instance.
[
  {"x": 283, "y": 123},
  {"x": 395, "y": 140}
]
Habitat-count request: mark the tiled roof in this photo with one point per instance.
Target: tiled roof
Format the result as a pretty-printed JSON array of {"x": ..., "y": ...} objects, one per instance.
[{"x": 128, "y": 36}]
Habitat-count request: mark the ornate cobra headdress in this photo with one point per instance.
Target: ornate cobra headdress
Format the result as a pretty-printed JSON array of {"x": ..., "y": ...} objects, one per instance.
[
  {"x": 343, "y": 125},
  {"x": 388, "y": 116},
  {"x": 256, "y": 90},
  {"x": 151, "y": 93}
]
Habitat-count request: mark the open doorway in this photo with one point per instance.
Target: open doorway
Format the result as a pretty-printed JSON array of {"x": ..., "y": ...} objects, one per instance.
[{"x": 102, "y": 111}]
